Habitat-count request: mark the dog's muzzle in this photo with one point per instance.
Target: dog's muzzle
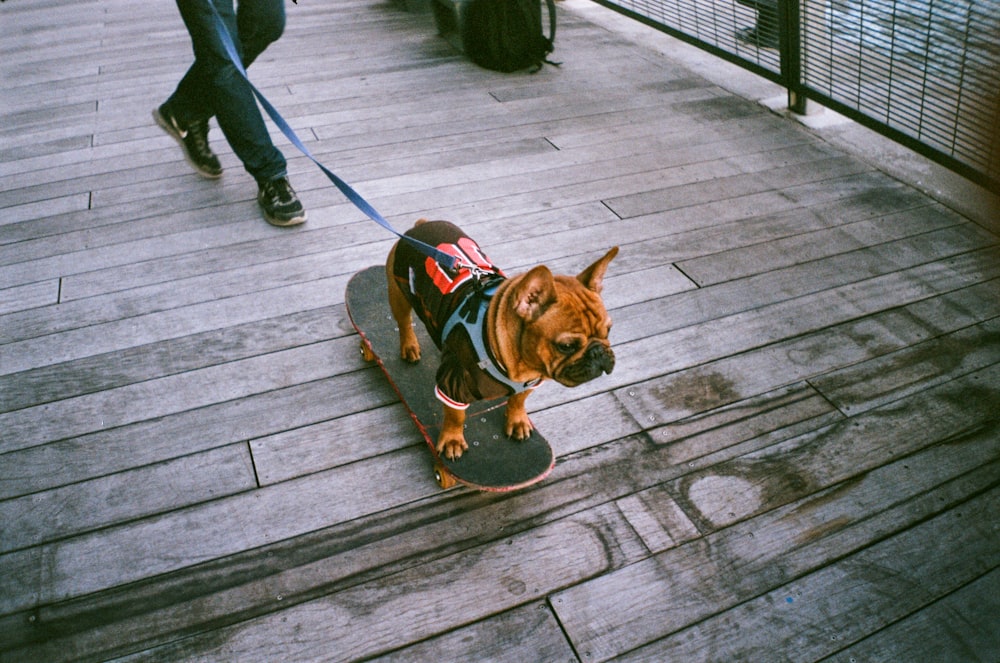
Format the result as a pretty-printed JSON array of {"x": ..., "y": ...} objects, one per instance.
[{"x": 598, "y": 359}]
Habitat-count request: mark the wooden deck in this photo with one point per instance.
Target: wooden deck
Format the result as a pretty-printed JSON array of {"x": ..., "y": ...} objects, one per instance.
[{"x": 797, "y": 457}]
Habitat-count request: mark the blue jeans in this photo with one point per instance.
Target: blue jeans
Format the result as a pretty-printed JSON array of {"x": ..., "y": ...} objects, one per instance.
[{"x": 213, "y": 85}]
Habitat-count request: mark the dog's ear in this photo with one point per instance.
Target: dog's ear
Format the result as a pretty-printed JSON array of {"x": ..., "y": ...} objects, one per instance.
[
  {"x": 534, "y": 293},
  {"x": 592, "y": 278}
]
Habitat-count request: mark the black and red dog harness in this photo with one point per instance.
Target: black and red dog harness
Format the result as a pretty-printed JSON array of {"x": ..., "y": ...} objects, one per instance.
[{"x": 452, "y": 305}]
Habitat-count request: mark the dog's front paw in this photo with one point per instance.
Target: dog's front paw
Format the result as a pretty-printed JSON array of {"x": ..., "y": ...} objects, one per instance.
[
  {"x": 410, "y": 353},
  {"x": 409, "y": 346},
  {"x": 519, "y": 426},
  {"x": 451, "y": 447}
]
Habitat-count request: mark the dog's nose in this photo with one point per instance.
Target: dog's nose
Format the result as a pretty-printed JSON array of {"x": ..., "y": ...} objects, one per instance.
[{"x": 601, "y": 357}]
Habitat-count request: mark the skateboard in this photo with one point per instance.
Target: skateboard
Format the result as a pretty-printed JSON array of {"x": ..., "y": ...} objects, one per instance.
[{"x": 493, "y": 462}]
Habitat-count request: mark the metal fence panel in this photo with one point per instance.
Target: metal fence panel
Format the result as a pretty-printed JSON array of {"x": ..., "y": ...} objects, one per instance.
[{"x": 923, "y": 72}]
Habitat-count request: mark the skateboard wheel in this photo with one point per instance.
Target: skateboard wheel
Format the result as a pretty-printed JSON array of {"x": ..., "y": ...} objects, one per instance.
[
  {"x": 366, "y": 352},
  {"x": 443, "y": 478}
]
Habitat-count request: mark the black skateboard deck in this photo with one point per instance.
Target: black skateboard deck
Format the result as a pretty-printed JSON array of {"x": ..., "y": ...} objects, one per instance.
[{"x": 493, "y": 462}]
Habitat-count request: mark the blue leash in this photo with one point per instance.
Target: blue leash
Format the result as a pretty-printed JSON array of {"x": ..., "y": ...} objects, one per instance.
[{"x": 446, "y": 260}]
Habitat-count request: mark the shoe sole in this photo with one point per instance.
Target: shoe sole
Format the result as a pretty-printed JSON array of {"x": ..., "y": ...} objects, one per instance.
[
  {"x": 172, "y": 132},
  {"x": 284, "y": 223}
]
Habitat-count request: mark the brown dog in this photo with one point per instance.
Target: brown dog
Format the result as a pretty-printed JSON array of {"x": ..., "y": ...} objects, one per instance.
[{"x": 498, "y": 336}]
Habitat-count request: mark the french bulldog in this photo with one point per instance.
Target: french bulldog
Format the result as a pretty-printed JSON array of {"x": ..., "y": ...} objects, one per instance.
[{"x": 536, "y": 326}]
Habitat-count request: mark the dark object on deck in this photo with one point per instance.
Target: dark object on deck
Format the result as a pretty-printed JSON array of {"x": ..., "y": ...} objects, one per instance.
[{"x": 502, "y": 35}]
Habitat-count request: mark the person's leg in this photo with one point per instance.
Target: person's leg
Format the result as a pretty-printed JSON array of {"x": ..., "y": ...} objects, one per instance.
[
  {"x": 214, "y": 86},
  {"x": 193, "y": 139},
  {"x": 260, "y": 23},
  {"x": 257, "y": 24},
  {"x": 184, "y": 116}
]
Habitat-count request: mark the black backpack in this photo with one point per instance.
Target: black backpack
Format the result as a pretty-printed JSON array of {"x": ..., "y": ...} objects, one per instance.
[{"x": 506, "y": 35}]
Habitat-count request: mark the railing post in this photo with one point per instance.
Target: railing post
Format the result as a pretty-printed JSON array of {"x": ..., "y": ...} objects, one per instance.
[{"x": 790, "y": 49}]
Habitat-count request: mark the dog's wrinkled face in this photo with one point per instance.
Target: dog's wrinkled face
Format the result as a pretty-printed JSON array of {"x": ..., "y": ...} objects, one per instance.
[
  {"x": 571, "y": 336},
  {"x": 565, "y": 325}
]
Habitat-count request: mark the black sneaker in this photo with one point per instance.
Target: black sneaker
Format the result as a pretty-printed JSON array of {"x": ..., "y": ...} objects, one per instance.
[
  {"x": 280, "y": 204},
  {"x": 193, "y": 141}
]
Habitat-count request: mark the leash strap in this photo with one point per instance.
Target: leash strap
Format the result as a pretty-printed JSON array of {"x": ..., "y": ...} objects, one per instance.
[{"x": 442, "y": 258}]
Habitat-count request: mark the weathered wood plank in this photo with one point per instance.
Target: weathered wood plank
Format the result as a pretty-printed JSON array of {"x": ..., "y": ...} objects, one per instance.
[
  {"x": 146, "y": 400},
  {"x": 658, "y": 519},
  {"x": 587, "y": 486},
  {"x": 17, "y": 157},
  {"x": 770, "y": 254},
  {"x": 388, "y": 159},
  {"x": 426, "y": 600},
  {"x": 569, "y": 428},
  {"x": 168, "y": 542},
  {"x": 159, "y": 359},
  {"x": 446, "y": 125},
  {"x": 816, "y": 615},
  {"x": 652, "y": 202},
  {"x": 421, "y": 199},
  {"x": 895, "y": 375},
  {"x": 529, "y": 633},
  {"x": 112, "y": 450},
  {"x": 580, "y": 424},
  {"x": 734, "y": 489},
  {"x": 501, "y": 180},
  {"x": 738, "y": 562},
  {"x": 324, "y": 246},
  {"x": 719, "y": 429},
  {"x": 723, "y": 381},
  {"x": 164, "y": 322},
  {"x": 372, "y": 550},
  {"x": 173, "y": 541},
  {"x": 232, "y": 589},
  {"x": 33, "y": 295},
  {"x": 125, "y": 181},
  {"x": 33, "y": 209},
  {"x": 352, "y": 149},
  {"x": 90, "y": 310},
  {"x": 802, "y": 357},
  {"x": 873, "y": 196},
  {"x": 942, "y": 313},
  {"x": 661, "y": 238},
  {"x": 28, "y": 120},
  {"x": 328, "y": 444},
  {"x": 81, "y": 507},
  {"x": 90, "y": 374},
  {"x": 960, "y": 624}
]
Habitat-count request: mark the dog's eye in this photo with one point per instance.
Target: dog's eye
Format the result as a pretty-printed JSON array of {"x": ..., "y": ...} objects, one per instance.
[{"x": 568, "y": 348}]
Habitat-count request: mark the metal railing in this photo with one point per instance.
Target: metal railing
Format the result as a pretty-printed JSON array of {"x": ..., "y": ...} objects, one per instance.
[{"x": 925, "y": 73}]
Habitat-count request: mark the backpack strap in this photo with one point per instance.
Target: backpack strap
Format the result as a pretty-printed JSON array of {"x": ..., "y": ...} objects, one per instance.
[
  {"x": 552, "y": 20},
  {"x": 552, "y": 32},
  {"x": 527, "y": 8}
]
